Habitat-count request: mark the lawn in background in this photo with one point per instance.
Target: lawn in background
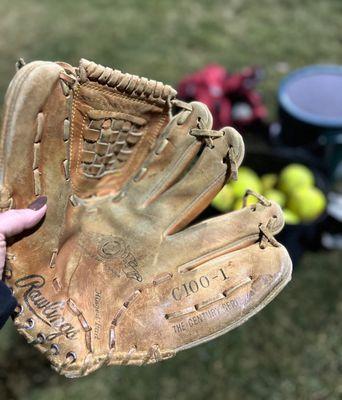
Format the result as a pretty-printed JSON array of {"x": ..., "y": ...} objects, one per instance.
[{"x": 292, "y": 349}]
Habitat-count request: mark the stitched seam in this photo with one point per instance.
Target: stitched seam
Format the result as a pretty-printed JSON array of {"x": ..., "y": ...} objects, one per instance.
[
  {"x": 219, "y": 252},
  {"x": 73, "y": 112},
  {"x": 189, "y": 206},
  {"x": 155, "y": 190},
  {"x": 154, "y": 90},
  {"x": 119, "y": 95}
]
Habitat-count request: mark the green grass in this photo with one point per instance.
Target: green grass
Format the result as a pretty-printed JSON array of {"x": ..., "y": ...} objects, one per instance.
[
  {"x": 292, "y": 349},
  {"x": 166, "y": 39}
]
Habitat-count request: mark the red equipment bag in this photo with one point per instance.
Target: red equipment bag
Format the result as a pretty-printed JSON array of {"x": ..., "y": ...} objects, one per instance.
[{"x": 231, "y": 98}]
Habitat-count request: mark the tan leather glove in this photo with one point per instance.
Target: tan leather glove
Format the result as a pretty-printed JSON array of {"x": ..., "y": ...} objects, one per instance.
[{"x": 114, "y": 274}]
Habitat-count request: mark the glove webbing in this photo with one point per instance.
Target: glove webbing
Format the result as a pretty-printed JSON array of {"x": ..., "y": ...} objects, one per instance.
[{"x": 126, "y": 83}]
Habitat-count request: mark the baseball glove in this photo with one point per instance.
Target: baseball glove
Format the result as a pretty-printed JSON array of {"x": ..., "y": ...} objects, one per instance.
[{"x": 115, "y": 274}]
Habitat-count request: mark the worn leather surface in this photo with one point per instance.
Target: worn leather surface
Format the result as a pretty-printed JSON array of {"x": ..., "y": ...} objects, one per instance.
[{"x": 115, "y": 274}]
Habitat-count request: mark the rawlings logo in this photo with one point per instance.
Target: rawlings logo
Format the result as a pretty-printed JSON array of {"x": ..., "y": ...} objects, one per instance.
[
  {"x": 113, "y": 247},
  {"x": 49, "y": 312}
]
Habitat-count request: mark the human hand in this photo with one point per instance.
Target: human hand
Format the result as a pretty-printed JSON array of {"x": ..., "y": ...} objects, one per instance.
[{"x": 13, "y": 222}]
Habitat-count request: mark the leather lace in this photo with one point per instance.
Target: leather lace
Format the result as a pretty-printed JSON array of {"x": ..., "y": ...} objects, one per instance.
[{"x": 265, "y": 229}]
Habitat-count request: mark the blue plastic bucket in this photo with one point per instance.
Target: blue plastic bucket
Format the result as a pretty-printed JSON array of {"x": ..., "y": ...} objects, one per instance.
[{"x": 310, "y": 110}]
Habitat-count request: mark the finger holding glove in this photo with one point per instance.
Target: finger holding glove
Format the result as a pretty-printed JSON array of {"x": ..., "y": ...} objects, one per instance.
[{"x": 12, "y": 223}]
